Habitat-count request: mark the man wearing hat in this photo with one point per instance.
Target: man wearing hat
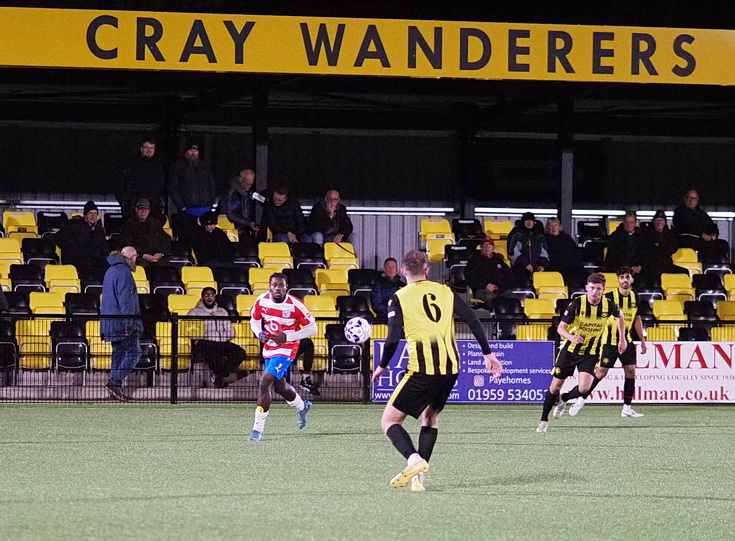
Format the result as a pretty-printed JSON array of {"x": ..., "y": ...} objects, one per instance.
[
  {"x": 212, "y": 247},
  {"x": 145, "y": 232},
  {"x": 527, "y": 248},
  {"x": 487, "y": 273},
  {"x": 83, "y": 242},
  {"x": 192, "y": 190},
  {"x": 658, "y": 245}
]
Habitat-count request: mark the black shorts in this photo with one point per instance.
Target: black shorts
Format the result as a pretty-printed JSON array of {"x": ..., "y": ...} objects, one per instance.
[
  {"x": 566, "y": 362},
  {"x": 610, "y": 355},
  {"x": 416, "y": 391}
]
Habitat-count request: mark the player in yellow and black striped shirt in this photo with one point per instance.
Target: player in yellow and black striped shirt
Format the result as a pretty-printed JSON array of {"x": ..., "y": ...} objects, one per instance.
[
  {"x": 626, "y": 299},
  {"x": 582, "y": 327},
  {"x": 424, "y": 312}
]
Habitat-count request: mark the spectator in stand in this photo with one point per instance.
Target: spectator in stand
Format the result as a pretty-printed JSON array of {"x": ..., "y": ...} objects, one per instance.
[
  {"x": 384, "y": 288},
  {"x": 695, "y": 229},
  {"x": 283, "y": 216},
  {"x": 145, "y": 232},
  {"x": 191, "y": 188},
  {"x": 214, "y": 347},
  {"x": 241, "y": 202},
  {"x": 564, "y": 256},
  {"x": 659, "y": 244},
  {"x": 625, "y": 246},
  {"x": 142, "y": 178},
  {"x": 527, "y": 249},
  {"x": 82, "y": 241},
  {"x": 487, "y": 274},
  {"x": 328, "y": 221},
  {"x": 212, "y": 247}
]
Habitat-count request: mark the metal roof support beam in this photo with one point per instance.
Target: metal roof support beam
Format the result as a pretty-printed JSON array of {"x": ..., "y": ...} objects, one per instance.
[{"x": 566, "y": 146}]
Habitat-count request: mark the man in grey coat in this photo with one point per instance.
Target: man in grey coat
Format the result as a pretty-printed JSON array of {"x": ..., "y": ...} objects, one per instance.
[{"x": 120, "y": 298}]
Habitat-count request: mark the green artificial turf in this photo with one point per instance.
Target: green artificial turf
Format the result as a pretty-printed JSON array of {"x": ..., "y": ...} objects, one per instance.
[{"x": 186, "y": 472}]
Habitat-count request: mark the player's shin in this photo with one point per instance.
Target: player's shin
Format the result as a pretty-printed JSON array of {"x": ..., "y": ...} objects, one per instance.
[
  {"x": 401, "y": 440},
  {"x": 427, "y": 439},
  {"x": 628, "y": 391},
  {"x": 260, "y": 418},
  {"x": 549, "y": 402}
]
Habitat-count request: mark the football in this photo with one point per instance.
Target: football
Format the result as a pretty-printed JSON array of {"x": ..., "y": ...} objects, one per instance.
[{"x": 358, "y": 330}]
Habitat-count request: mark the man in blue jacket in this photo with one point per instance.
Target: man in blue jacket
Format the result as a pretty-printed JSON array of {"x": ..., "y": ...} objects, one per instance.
[{"x": 120, "y": 298}]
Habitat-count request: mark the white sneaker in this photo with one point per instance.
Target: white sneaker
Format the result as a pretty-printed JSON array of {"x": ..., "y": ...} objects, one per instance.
[
  {"x": 543, "y": 426},
  {"x": 630, "y": 412},
  {"x": 417, "y": 483},
  {"x": 559, "y": 409},
  {"x": 578, "y": 405}
]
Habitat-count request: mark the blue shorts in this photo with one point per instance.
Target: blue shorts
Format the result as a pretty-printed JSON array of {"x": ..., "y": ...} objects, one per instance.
[{"x": 278, "y": 365}]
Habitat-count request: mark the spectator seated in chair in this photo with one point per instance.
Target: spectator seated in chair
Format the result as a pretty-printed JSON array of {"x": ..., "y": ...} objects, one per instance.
[
  {"x": 527, "y": 249},
  {"x": 82, "y": 241},
  {"x": 487, "y": 273},
  {"x": 659, "y": 244},
  {"x": 212, "y": 247},
  {"x": 145, "y": 232},
  {"x": 384, "y": 288},
  {"x": 695, "y": 229},
  {"x": 214, "y": 347},
  {"x": 564, "y": 255},
  {"x": 328, "y": 221}
]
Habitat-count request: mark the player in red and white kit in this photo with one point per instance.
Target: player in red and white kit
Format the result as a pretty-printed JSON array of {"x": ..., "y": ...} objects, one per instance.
[{"x": 280, "y": 321}]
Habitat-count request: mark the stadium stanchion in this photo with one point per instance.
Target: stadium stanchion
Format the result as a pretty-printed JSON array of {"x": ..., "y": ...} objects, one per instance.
[{"x": 174, "y": 358}]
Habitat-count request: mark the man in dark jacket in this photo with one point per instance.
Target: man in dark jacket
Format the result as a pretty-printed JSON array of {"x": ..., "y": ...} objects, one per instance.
[
  {"x": 384, "y": 288},
  {"x": 82, "y": 241},
  {"x": 241, "y": 206},
  {"x": 564, "y": 256},
  {"x": 487, "y": 274},
  {"x": 625, "y": 246},
  {"x": 328, "y": 221},
  {"x": 120, "y": 298},
  {"x": 527, "y": 248},
  {"x": 283, "y": 216},
  {"x": 695, "y": 229},
  {"x": 191, "y": 188},
  {"x": 659, "y": 244},
  {"x": 142, "y": 178},
  {"x": 212, "y": 247},
  {"x": 145, "y": 232}
]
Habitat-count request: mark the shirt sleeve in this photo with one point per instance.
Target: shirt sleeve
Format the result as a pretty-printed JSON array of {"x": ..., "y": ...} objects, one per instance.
[
  {"x": 571, "y": 312},
  {"x": 395, "y": 330},
  {"x": 256, "y": 319}
]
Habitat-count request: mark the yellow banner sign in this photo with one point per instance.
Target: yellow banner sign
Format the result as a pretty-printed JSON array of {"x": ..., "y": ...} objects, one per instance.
[{"x": 97, "y": 39}]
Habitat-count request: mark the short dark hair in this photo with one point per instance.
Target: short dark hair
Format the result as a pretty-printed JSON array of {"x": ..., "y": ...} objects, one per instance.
[
  {"x": 204, "y": 290},
  {"x": 278, "y": 275},
  {"x": 281, "y": 190},
  {"x": 415, "y": 262},
  {"x": 596, "y": 278},
  {"x": 150, "y": 140},
  {"x": 624, "y": 270},
  {"x": 387, "y": 259}
]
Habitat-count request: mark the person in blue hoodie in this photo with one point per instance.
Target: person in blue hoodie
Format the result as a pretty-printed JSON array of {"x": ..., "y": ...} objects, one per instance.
[{"x": 120, "y": 298}]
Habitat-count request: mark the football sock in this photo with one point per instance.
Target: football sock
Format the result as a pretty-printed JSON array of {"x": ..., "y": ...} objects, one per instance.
[
  {"x": 549, "y": 402},
  {"x": 297, "y": 402},
  {"x": 595, "y": 381},
  {"x": 260, "y": 417},
  {"x": 427, "y": 439},
  {"x": 628, "y": 391},
  {"x": 571, "y": 395},
  {"x": 401, "y": 440}
]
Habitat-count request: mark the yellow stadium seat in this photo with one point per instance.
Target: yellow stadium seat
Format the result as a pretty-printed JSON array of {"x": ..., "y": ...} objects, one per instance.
[
  {"x": 728, "y": 281},
  {"x": 321, "y": 306},
  {"x": 100, "y": 353},
  {"x": 10, "y": 251},
  {"x": 497, "y": 229},
  {"x": 141, "y": 280},
  {"x": 435, "y": 249},
  {"x": 435, "y": 228},
  {"x": 539, "y": 308},
  {"x": 62, "y": 276},
  {"x": 343, "y": 291},
  {"x": 34, "y": 343},
  {"x": 726, "y": 333},
  {"x": 228, "y": 227},
  {"x": 244, "y": 303},
  {"x": 684, "y": 255},
  {"x": 331, "y": 279},
  {"x": 275, "y": 254},
  {"x": 346, "y": 262},
  {"x": 677, "y": 287},
  {"x": 611, "y": 281},
  {"x": 550, "y": 284},
  {"x": 612, "y": 225},
  {"x": 5, "y": 284},
  {"x": 45, "y": 299},
  {"x": 181, "y": 304},
  {"x": 18, "y": 222},
  {"x": 726, "y": 310},
  {"x": 259, "y": 279},
  {"x": 532, "y": 332},
  {"x": 197, "y": 278},
  {"x": 165, "y": 340},
  {"x": 245, "y": 338},
  {"x": 339, "y": 251},
  {"x": 552, "y": 292},
  {"x": 664, "y": 333},
  {"x": 669, "y": 310}
]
